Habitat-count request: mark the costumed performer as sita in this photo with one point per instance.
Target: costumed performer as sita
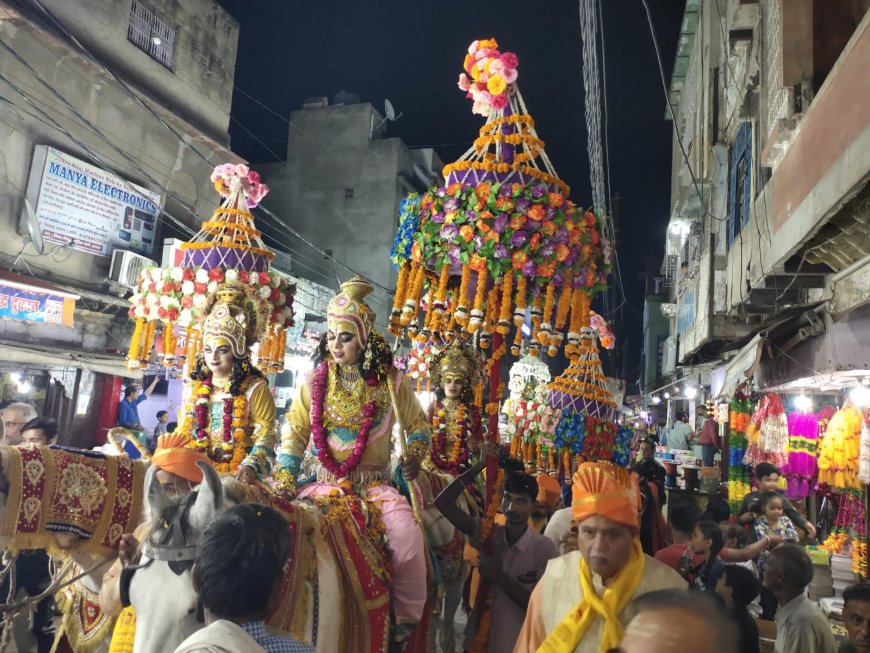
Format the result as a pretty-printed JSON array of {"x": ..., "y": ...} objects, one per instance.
[
  {"x": 230, "y": 414},
  {"x": 584, "y": 600},
  {"x": 344, "y": 413},
  {"x": 457, "y": 428}
]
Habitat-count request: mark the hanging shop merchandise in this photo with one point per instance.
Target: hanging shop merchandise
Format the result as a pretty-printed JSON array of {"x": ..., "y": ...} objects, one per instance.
[
  {"x": 739, "y": 475},
  {"x": 844, "y": 450}
]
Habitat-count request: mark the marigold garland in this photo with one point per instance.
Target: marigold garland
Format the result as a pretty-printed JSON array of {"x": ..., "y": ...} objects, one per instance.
[
  {"x": 459, "y": 454},
  {"x": 477, "y": 314},
  {"x": 504, "y": 320},
  {"x": 232, "y": 449},
  {"x": 461, "y": 312}
]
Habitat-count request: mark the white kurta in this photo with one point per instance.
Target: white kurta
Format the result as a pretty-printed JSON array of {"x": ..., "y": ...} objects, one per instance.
[{"x": 559, "y": 592}]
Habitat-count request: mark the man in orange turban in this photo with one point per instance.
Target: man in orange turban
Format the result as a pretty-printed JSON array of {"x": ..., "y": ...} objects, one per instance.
[
  {"x": 583, "y": 601},
  {"x": 177, "y": 474},
  {"x": 548, "y": 501}
]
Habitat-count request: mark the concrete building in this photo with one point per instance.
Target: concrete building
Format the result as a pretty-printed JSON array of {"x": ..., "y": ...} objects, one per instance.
[
  {"x": 138, "y": 92},
  {"x": 768, "y": 250},
  {"x": 341, "y": 187}
]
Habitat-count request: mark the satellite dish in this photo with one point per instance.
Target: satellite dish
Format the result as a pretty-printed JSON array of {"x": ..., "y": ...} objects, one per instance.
[
  {"x": 390, "y": 114},
  {"x": 34, "y": 237},
  {"x": 33, "y": 229}
]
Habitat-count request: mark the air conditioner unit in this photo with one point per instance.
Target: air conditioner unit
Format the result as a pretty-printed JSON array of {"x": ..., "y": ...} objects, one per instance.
[{"x": 126, "y": 266}]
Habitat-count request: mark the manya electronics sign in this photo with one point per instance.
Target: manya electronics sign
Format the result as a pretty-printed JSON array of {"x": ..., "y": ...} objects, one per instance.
[{"x": 89, "y": 209}]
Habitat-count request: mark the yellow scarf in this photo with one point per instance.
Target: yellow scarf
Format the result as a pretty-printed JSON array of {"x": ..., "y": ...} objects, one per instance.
[{"x": 568, "y": 634}]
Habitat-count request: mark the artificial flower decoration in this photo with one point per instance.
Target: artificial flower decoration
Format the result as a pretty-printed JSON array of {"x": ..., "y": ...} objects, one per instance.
[
  {"x": 488, "y": 76},
  {"x": 500, "y": 238},
  {"x": 227, "y": 249}
]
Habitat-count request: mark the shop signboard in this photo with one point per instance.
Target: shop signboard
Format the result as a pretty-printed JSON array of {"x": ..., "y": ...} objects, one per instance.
[
  {"x": 88, "y": 209},
  {"x": 31, "y": 305}
]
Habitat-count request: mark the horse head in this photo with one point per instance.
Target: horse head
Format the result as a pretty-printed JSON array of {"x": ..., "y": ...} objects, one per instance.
[{"x": 160, "y": 587}]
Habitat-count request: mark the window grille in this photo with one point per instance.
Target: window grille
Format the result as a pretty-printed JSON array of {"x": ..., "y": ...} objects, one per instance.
[
  {"x": 739, "y": 181},
  {"x": 151, "y": 33}
]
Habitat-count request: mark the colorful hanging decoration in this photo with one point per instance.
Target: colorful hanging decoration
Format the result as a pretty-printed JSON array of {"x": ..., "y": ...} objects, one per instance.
[
  {"x": 801, "y": 468},
  {"x": 839, "y": 450},
  {"x": 768, "y": 433},
  {"x": 849, "y": 529},
  {"x": 227, "y": 249},
  {"x": 501, "y": 237},
  {"x": 739, "y": 474}
]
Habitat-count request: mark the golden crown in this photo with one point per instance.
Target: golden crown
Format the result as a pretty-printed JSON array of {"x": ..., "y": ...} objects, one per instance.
[
  {"x": 348, "y": 307},
  {"x": 457, "y": 359}
]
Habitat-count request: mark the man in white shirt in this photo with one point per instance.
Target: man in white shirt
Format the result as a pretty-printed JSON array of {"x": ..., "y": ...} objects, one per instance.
[
  {"x": 681, "y": 434},
  {"x": 800, "y": 625}
]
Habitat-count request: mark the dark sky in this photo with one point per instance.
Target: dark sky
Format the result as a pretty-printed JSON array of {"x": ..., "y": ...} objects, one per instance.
[{"x": 412, "y": 51}]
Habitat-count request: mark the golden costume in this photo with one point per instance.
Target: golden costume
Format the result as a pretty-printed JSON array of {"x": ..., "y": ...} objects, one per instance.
[
  {"x": 233, "y": 422},
  {"x": 344, "y": 416},
  {"x": 457, "y": 427}
]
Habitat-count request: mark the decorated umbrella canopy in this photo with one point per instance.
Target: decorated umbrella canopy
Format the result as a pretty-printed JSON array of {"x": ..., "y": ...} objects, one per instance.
[
  {"x": 228, "y": 248},
  {"x": 500, "y": 238}
]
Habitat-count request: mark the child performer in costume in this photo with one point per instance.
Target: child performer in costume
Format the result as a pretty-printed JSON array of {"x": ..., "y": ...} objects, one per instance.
[
  {"x": 230, "y": 415},
  {"x": 344, "y": 413},
  {"x": 457, "y": 429}
]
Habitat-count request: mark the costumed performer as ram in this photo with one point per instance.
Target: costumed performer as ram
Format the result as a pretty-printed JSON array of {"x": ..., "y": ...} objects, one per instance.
[
  {"x": 344, "y": 414},
  {"x": 583, "y": 602}
]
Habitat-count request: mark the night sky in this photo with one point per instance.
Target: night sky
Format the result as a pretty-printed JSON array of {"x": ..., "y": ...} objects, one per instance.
[{"x": 412, "y": 53}]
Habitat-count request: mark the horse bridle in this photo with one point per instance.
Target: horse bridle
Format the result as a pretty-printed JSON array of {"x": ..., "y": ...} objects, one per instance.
[{"x": 172, "y": 548}]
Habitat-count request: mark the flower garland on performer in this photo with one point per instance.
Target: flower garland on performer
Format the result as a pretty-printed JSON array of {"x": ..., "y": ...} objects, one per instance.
[
  {"x": 235, "y": 418},
  {"x": 318, "y": 430},
  {"x": 458, "y": 458}
]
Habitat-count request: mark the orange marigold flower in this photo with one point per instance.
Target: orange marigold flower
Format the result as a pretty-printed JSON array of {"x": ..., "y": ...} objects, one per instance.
[
  {"x": 482, "y": 226},
  {"x": 504, "y": 204},
  {"x": 518, "y": 260},
  {"x": 534, "y": 242},
  {"x": 517, "y": 222},
  {"x": 482, "y": 190},
  {"x": 492, "y": 235},
  {"x": 554, "y": 199},
  {"x": 452, "y": 188},
  {"x": 561, "y": 252},
  {"x": 594, "y": 238},
  {"x": 416, "y": 254},
  {"x": 546, "y": 269},
  {"x": 536, "y": 212},
  {"x": 477, "y": 263},
  {"x": 549, "y": 227},
  {"x": 590, "y": 218},
  {"x": 467, "y": 232}
]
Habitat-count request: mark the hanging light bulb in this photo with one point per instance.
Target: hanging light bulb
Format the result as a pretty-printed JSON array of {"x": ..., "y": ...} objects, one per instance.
[
  {"x": 667, "y": 395},
  {"x": 691, "y": 392},
  {"x": 803, "y": 403}
]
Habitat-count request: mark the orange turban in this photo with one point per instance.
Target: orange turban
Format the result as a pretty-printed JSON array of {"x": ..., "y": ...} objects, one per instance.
[
  {"x": 549, "y": 491},
  {"x": 606, "y": 490},
  {"x": 172, "y": 455}
]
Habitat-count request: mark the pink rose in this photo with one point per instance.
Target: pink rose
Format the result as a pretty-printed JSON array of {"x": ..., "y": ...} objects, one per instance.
[
  {"x": 510, "y": 60},
  {"x": 510, "y": 75},
  {"x": 244, "y": 276},
  {"x": 473, "y": 47},
  {"x": 264, "y": 278},
  {"x": 464, "y": 83},
  {"x": 496, "y": 67},
  {"x": 500, "y": 101},
  {"x": 187, "y": 301},
  {"x": 254, "y": 177},
  {"x": 199, "y": 288}
]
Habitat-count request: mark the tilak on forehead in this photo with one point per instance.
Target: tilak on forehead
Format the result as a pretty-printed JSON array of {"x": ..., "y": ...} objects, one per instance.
[{"x": 348, "y": 312}]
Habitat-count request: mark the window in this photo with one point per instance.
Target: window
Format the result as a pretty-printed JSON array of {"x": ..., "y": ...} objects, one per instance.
[
  {"x": 739, "y": 181},
  {"x": 151, "y": 33}
]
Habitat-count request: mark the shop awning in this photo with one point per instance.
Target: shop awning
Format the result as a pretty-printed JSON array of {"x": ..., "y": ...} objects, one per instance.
[
  {"x": 725, "y": 379},
  {"x": 17, "y": 352}
]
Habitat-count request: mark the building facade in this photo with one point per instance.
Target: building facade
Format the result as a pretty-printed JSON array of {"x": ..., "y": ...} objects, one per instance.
[
  {"x": 341, "y": 187},
  {"x": 102, "y": 105},
  {"x": 769, "y": 236}
]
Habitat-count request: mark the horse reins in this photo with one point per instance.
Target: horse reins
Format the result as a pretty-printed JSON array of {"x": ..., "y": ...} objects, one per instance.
[{"x": 172, "y": 548}]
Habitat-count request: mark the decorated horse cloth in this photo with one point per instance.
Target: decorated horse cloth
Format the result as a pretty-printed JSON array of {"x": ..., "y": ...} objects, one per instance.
[
  {"x": 299, "y": 585},
  {"x": 56, "y": 490},
  {"x": 84, "y": 624},
  {"x": 355, "y": 532}
]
